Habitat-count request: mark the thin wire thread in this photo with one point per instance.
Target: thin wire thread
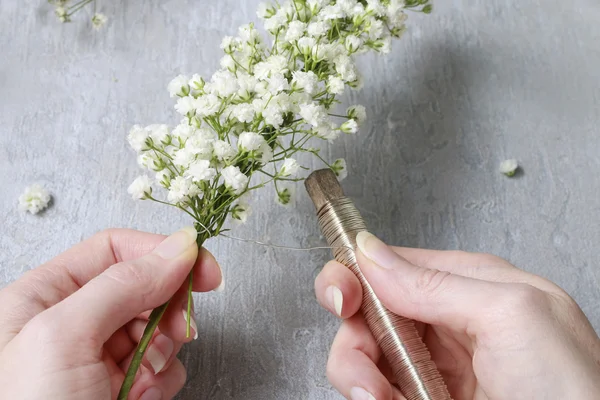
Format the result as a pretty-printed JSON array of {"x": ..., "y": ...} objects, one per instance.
[{"x": 277, "y": 246}]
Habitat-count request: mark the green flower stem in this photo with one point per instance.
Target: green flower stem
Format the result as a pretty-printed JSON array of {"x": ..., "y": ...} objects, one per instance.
[
  {"x": 153, "y": 320},
  {"x": 189, "y": 304}
]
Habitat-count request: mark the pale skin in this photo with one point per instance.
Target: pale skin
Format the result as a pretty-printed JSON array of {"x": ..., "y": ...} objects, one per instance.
[
  {"x": 494, "y": 331},
  {"x": 68, "y": 328}
]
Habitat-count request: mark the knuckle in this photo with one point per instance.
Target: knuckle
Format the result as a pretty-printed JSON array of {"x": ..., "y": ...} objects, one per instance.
[
  {"x": 524, "y": 299},
  {"x": 431, "y": 281},
  {"x": 106, "y": 234}
]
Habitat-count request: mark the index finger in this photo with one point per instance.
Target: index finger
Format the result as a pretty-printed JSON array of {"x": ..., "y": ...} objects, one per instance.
[{"x": 481, "y": 266}]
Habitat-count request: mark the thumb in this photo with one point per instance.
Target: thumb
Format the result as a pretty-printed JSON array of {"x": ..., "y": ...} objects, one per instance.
[
  {"x": 126, "y": 289},
  {"x": 422, "y": 294}
]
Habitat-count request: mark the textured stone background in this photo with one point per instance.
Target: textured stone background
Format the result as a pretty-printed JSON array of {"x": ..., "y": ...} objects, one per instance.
[{"x": 473, "y": 84}]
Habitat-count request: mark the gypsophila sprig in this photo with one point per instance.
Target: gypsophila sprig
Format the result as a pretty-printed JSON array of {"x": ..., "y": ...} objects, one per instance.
[
  {"x": 261, "y": 109},
  {"x": 65, "y": 9}
]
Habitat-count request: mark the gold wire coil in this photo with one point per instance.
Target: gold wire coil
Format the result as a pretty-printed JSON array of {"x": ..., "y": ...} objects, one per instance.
[{"x": 416, "y": 374}]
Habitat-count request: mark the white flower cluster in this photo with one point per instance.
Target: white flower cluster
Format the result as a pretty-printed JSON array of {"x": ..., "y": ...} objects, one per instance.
[
  {"x": 64, "y": 10},
  {"x": 34, "y": 199},
  {"x": 263, "y": 106}
]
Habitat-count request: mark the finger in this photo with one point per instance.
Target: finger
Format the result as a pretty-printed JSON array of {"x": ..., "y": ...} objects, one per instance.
[
  {"x": 473, "y": 265},
  {"x": 126, "y": 289},
  {"x": 54, "y": 281},
  {"x": 352, "y": 368},
  {"x": 208, "y": 275},
  {"x": 174, "y": 321},
  {"x": 161, "y": 350},
  {"x": 422, "y": 294},
  {"x": 164, "y": 385},
  {"x": 338, "y": 290},
  {"x": 120, "y": 344}
]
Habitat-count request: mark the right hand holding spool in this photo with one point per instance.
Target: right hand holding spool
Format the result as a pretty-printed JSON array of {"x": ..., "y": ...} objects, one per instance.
[{"x": 494, "y": 331}]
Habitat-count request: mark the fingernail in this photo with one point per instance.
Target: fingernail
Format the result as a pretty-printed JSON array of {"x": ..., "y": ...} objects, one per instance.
[
  {"x": 376, "y": 250},
  {"x": 159, "y": 351},
  {"x": 357, "y": 393},
  {"x": 192, "y": 323},
  {"x": 221, "y": 286},
  {"x": 152, "y": 394},
  {"x": 177, "y": 243},
  {"x": 335, "y": 298}
]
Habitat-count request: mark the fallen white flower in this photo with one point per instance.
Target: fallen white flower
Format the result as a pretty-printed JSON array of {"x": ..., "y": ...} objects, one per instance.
[
  {"x": 509, "y": 167},
  {"x": 34, "y": 200},
  {"x": 98, "y": 20}
]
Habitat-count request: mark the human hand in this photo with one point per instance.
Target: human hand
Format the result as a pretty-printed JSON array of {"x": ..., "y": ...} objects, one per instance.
[
  {"x": 494, "y": 331},
  {"x": 68, "y": 328}
]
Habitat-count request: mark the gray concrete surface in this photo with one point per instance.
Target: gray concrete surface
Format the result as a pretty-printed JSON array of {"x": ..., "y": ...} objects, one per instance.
[{"x": 473, "y": 84}]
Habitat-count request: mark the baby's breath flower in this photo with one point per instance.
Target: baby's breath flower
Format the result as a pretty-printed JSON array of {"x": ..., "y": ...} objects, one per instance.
[
  {"x": 250, "y": 141},
  {"x": 185, "y": 105},
  {"x": 295, "y": 31},
  {"x": 316, "y": 5},
  {"x": 306, "y": 44},
  {"x": 207, "y": 105},
  {"x": 318, "y": 28},
  {"x": 179, "y": 86},
  {"x": 349, "y": 126},
  {"x": 241, "y": 212},
  {"x": 306, "y": 81},
  {"x": 98, "y": 20},
  {"x": 509, "y": 167},
  {"x": 196, "y": 83},
  {"x": 179, "y": 189},
  {"x": 265, "y": 154},
  {"x": 376, "y": 7},
  {"x": 313, "y": 113},
  {"x": 229, "y": 44},
  {"x": 265, "y": 11},
  {"x": 234, "y": 179},
  {"x": 328, "y": 132},
  {"x": 62, "y": 14},
  {"x": 353, "y": 43},
  {"x": 332, "y": 11},
  {"x": 223, "y": 150},
  {"x": 286, "y": 196},
  {"x": 34, "y": 199},
  {"x": 339, "y": 168},
  {"x": 289, "y": 168},
  {"x": 140, "y": 188},
  {"x": 358, "y": 113},
  {"x": 335, "y": 85},
  {"x": 137, "y": 138},
  {"x": 200, "y": 170}
]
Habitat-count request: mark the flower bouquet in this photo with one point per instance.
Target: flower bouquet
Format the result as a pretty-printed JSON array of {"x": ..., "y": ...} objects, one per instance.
[{"x": 242, "y": 129}]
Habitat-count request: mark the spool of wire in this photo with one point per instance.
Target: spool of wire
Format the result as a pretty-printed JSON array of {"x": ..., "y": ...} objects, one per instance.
[{"x": 416, "y": 374}]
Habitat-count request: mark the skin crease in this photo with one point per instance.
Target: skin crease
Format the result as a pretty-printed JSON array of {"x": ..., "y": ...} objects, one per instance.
[
  {"x": 68, "y": 328},
  {"x": 494, "y": 331}
]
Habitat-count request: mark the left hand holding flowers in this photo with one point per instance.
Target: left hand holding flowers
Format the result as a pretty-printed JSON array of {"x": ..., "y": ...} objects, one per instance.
[{"x": 68, "y": 328}]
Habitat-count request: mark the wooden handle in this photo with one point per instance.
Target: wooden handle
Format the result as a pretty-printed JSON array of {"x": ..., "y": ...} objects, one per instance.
[{"x": 322, "y": 186}]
